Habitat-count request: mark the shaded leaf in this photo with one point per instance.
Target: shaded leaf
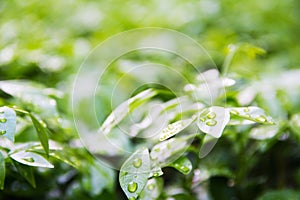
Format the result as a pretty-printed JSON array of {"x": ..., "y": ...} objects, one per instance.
[
  {"x": 213, "y": 120},
  {"x": 26, "y": 172},
  {"x": 134, "y": 173},
  {"x": 125, "y": 108},
  {"x": 41, "y": 130},
  {"x": 183, "y": 165},
  {"x": 31, "y": 159},
  {"x": 8, "y": 121},
  {"x": 280, "y": 194}
]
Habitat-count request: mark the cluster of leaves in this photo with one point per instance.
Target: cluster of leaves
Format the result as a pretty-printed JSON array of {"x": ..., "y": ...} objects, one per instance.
[
  {"x": 178, "y": 116},
  {"x": 29, "y": 142}
]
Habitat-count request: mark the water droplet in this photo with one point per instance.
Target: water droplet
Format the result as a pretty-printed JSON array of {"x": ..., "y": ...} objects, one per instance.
[
  {"x": 155, "y": 174},
  {"x": 248, "y": 116},
  {"x": 170, "y": 126},
  {"x": 157, "y": 149},
  {"x": 124, "y": 173},
  {"x": 261, "y": 118},
  {"x": 151, "y": 186},
  {"x": 137, "y": 162},
  {"x": 211, "y": 115},
  {"x": 3, "y": 120},
  {"x": 211, "y": 123},
  {"x": 202, "y": 119},
  {"x": 2, "y": 132},
  {"x": 246, "y": 109},
  {"x": 132, "y": 187},
  {"x": 132, "y": 198},
  {"x": 29, "y": 159},
  {"x": 1, "y": 112},
  {"x": 234, "y": 112},
  {"x": 184, "y": 169},
  {"x": 43, "y": 124},
  {"x": 168, "y": 146}
]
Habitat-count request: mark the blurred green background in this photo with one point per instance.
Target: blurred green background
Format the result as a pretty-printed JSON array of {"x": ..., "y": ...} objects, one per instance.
[{"x": 47, "y": 41}]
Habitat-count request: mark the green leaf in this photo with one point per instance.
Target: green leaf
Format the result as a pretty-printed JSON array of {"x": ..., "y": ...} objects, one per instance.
[
  {"x": 31, "y": 159},
  {"x": 8, "y": 121},
  {"x": 213, "y": 120},
  {"x": 134, "y": 173},
  {"x": 2, "y": 171},
  {"x": 183, "y": 165},
  {"x": 174, "y": 128},
  {"x": 152, "y": 189},
  {"x": 26, "y": 172},
  {"x": 41, "y": 130},
  {"x": 125, "y": 108},
  {"x": 250, "y": 115}
]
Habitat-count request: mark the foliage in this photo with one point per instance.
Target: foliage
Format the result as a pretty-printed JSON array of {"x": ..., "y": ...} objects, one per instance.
[{"x": 240, "y": 142}]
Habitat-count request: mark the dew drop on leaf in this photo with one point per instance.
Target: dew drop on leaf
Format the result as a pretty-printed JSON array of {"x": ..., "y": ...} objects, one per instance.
[
  {"x": 131, "y": 198},
  {"x": 211, "y": 115},
  {"x": 261, "y": 118},
  {"x": 29, "y": 159},
  {"x": 132, "y": 187},
  {"x": 151, "y": 187},
  {"x": 211, "y": 123},
  {"x": 2, "y": 132},
  {"x": 137, "y": 162}
]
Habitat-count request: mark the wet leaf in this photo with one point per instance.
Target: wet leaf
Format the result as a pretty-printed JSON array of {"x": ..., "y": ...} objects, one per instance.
[
  {"x": 213, "y": 120},
  {"x": 263, "y": 132},
  {"x": 31, "y": 159},
  {"x": 250, "y": 114},
  {"x": 174, "y": 128},
  {"x": 168, "y": 151},
  {"x": 134, "y": 173},
  {"x": 183, "y": 165},
  {"x": 8, "y": 121}
]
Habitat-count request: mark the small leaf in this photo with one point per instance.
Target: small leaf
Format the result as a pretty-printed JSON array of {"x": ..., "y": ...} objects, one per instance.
[
  {"x": 2, "y": 171},
  {"x": 174, "y": 128},
  {"x": 251, "y": 114},
  {"x": 8, "y": 121},
  {"x": 26, "y": 172},
  {"x": 31, "y": 159},
  {"x": 125, "y": 108},
  {"x": 152, "y": 189},
  {"x": 134, "y": 173},
  {"x": 41, "y": 130},
  {"x": 213, "y": 120},
  {"x": 183, "y": 165}
]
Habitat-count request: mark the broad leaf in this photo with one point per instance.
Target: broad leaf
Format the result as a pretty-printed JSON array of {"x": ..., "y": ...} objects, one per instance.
[
  {"x": 8, "y": 122},
  {"x": 213, "y": 120},
  {"x": 152, "y": 190},
  {"x": 31, "y": 159},
  {"x": 183, "y": 165},
  {"x": 41, "y": 130},
  {"x": 134, "y": 173},
  {"x": 263, "y": 132},
  {"x": 174, "y": 128},
  {"x": 124, "y": 109},
  {"x": 2, "y": 171}
]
